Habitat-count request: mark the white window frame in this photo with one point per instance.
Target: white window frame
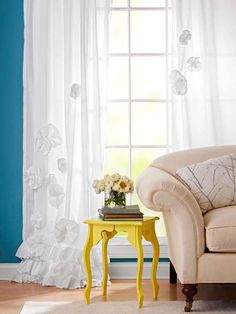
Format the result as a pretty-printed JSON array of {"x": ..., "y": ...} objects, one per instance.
[{"x": 120, "y": 241}]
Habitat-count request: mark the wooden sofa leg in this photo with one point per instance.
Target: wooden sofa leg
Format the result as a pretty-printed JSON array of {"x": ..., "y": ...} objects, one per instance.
[
  {"x": 173, "y": 275},
  {"x": 189, "y": 290}
]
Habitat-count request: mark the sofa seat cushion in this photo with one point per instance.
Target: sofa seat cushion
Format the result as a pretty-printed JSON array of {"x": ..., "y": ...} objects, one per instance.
[{"x": 220, "y": 225}]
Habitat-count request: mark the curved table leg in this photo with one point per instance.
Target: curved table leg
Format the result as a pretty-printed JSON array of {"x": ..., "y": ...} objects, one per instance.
[
  {"x": 150, "y": 235},
  {"x": 106, "y": 236},
  {"x": 139, "y": 247},
  {"x": 104, "y": 262},
  {"x": 156, "y": 253},
  {"x": 86, "y": 255}
]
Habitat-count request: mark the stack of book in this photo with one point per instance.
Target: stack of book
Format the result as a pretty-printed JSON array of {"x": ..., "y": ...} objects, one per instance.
[{"x": 131, "y": 212}]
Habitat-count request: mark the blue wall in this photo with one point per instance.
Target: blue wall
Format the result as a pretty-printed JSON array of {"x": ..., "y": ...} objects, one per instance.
[{"x": 11, "y": 124}]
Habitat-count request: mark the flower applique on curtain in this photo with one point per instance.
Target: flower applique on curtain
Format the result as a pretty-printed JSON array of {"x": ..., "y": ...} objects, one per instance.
[
  {"x": 62, "y": 165},
  {"x": 66, "y": 231},
  {"x": 185, "y": 37},
  {"x": 36, "y": 220},
  {"x": 56, "y": 194},
  {"x": 75, "y": 91},
  {"x": 47, "y": 138},
  {"x": 193, "y": 64},
  {"x": 178, "y": 81},
  {"x": 34, "y": 177}
]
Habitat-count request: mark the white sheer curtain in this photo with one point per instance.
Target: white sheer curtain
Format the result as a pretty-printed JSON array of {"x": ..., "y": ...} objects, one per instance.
[
  {"x": 65, "y": 58},
  {"x": 204, "y": 114}
]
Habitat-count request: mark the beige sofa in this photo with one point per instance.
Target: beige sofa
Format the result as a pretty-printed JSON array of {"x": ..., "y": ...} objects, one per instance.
[{"x": 202, "y": 248}]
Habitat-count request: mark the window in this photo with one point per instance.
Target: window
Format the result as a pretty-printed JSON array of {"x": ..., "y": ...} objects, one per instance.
[{"x": 138, "y": 109}]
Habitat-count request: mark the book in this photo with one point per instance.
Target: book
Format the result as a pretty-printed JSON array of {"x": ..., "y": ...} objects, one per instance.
[
  {"x": 131, "y": 212},
  {"x": 120, "y": 215},
  {"x": 123, "y": 216},
  {"x": 134, "y": 209},
  {"x": 120, "y": 218},
  {"x": 100, "y": 211}
]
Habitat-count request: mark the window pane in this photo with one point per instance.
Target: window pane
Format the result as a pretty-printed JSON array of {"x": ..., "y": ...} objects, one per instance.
[
  {"x": 116, "y": 160},
  {"x": 169, "y": 123},
  {"x": 142, "y": 157},
  {"x": 160, "y": 226},
  {"x": 119, "y": 32},
  {"x": 147, "y": 3},
  {"x": 148, "y": 31},
  {"x": 149, "y": 124},
  {"x": 117, "y": 127},
  {"x": 119, "y": 3},
  {"x": 148, "y": 77},
  {"x": 118, "y": 77},
  {"x": 170, "y": 31}
]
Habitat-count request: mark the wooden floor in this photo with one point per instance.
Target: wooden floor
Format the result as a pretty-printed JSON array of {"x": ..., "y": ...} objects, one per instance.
[{"x": 13, "y": 295}]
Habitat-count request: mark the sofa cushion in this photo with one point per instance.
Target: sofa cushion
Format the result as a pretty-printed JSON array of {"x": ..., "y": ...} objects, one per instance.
[
  {"x": 220, "y": 225},
  {"x": 212, "y": 182}
]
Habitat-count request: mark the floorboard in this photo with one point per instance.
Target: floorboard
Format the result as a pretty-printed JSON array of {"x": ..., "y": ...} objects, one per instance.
[{"x": 13, "y": 295}]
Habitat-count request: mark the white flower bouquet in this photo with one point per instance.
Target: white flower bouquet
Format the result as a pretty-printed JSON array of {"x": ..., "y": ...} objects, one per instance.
[{"x": 115, "y": 187}]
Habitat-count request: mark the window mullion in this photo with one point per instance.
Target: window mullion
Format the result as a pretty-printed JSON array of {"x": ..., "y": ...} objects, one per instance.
[
  {"x": 138, "y": 54},
  {"x": 138, "y": 100},
  {"x": 137, "y": 146},
  {"x": 129, "y": 102},
  {"x": 167, "y": 76},
  {"x": 140, "y": 8}
]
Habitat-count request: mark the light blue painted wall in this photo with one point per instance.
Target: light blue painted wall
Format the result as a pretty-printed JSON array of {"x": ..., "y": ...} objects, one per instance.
[{"x": 11, "y": 123}]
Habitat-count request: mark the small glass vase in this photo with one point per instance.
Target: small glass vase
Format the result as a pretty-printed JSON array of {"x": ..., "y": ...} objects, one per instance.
[{"x": 114, "y": 199}]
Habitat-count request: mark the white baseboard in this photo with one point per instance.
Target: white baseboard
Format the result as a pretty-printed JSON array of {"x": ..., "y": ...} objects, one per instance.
[
  {"x": 128, "y": 270},
  {"x": 117, "y": 270},
  {"x": 7, "y": 270}
]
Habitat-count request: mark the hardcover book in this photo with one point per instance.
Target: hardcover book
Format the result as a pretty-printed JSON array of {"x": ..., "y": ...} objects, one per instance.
[
  {"x": 131, "y": 212},
  {"x": 121, "y": 210}
]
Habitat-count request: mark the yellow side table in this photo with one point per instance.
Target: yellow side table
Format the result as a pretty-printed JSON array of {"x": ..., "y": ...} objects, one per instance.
[{"x": 106, "y": 230}]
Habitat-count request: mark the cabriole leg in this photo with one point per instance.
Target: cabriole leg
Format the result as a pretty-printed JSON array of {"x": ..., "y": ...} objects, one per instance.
[
  {"x": 87, "y": 264},
  {"x": 139, "y": 266},
  {"x": 106, "y": 236}
]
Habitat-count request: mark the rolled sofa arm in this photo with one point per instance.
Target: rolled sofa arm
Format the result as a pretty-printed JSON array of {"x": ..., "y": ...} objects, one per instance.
[{"x": 160, "y": 191}]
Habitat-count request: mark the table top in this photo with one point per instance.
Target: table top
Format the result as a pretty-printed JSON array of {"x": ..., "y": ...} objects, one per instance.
[{"x": 99, "y": 221}]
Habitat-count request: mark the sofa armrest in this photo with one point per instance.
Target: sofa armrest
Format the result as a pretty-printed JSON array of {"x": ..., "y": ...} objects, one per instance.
[{"x": 158, "y": 190}]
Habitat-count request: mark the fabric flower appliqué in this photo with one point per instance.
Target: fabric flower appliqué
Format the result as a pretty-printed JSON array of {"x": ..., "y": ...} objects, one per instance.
[
  {"x": 75, "y": 91},
  {"x": 193, "y": 64},
  {"x": 185, "y": 37},
  {"x": 50, "y": 179},
  {"x": 56, "y": 194},
  {"x": 33, "y": 177},
  {"x": 62, "y": 165},
  {"x": 47, "y": 138},
  {"x": 178, "y": 83},
  {"x": 36, "y": 220},
  {"x": 66, "y": 231}
]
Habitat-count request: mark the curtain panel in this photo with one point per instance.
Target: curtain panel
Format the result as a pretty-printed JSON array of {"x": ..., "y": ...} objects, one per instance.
[
  {"x": 203, "y": 81},
  {"x": 65, "y": 56}
]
